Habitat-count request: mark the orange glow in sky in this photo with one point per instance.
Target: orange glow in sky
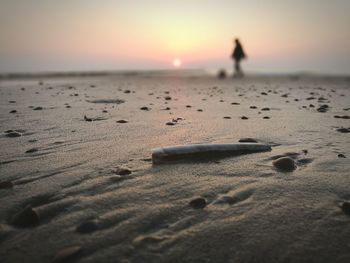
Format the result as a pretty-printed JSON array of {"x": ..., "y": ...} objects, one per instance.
[{"x": 288, "y": 35}]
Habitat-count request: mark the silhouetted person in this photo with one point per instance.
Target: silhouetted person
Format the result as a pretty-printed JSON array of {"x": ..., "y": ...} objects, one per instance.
[{"x": 237, "y": 55}]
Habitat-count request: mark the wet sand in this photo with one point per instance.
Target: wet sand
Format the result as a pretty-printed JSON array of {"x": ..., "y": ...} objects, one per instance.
[{"x": 76, "y": 154}]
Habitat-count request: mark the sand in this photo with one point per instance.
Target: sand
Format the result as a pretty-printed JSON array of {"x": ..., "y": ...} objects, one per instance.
[{"x": 76, "y": 150}]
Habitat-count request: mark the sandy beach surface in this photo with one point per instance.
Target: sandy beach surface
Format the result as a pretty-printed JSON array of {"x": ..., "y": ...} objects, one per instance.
[{"x": 77, "y": 180}]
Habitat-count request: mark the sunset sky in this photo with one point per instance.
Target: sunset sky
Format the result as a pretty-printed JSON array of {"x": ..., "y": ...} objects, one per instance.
[{"x": 278, "y": 35}]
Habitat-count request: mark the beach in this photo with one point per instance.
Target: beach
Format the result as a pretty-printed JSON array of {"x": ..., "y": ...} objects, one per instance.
[{"x": 76, "y": 152}]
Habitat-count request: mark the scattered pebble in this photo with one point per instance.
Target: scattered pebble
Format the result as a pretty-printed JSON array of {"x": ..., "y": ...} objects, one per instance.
[
  {"x": 6, "y": 185},
  {"x": 87, "y": 119},
  {"x": 28, "y": 217},
  {"x": 342, "y": 117},
  {"x": 253, "y": 107},
  {"x": 13, "y": 134},
  {"x": 121, "y": 121},
  {"x": 169, "y": 123},
  {"x": 122, "y": 171},
  {"x": 145, "y": 108},
  {"x": 32, "y": 150},
  {"x": 200, "y": 110},
  {"x": 13, "y": 111},
  {"x": 198, "y": 203},
  {"x": 266, "y": 117},
  {"x": 244, "y": 118},
  {"x": 67, "y": 254},
  {"x": 87, "y": 227},
  {"x": 167, "y": 98},
  {"x": 38, "y": 108},
  {"x": 227, "y": 117},
  {"x": 340, "y": 155},
  {"x": 265, "y": 109},
  {"x": 343, "y": 130},
  {"x": 323, "y": 108},
  {"x": 286, "y": 164}
]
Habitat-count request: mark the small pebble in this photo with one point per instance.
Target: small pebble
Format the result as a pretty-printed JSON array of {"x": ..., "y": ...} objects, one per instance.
[
  {"x": 145, "y": 108},
  {"x": 6, "y": 185},
  {"x": 266, "y": 117},
  {"x": 169, "y": 123},
  {"x": 340, "y": 155},
  {"x": 13, "y": 111},
  {"x": 122, "y": 171},
  {"x": 343, "y": 130},
  {"x": 28, "y": 217},
  {"x": 286, "y": 164},
  {"x": 122, "y": 121},
  {"x": 244, "y": 118},
  {"x": 13, "y": 134},
  {"x": 38, "y": 108},
  {"x": 87, "y": 227},
  {"x": 345, "y": 206},
  {"x": 265, "y": 109},
  {"x": 197, "y": 203},
  {"x": 32, "y": 150},
  {"x": 227, "y": 117}
]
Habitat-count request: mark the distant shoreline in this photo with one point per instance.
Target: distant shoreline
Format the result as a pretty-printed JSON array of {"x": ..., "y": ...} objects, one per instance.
[{"x": 165, "y": 72}]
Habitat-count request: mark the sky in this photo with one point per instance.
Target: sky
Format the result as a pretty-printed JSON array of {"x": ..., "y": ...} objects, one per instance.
[{"x": 78, "y": 35}]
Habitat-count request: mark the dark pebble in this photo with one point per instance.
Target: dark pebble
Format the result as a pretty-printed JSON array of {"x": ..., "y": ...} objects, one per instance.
[
  {"x": 38, "y": 108},
  {"x": 87, "y": 119},
  {"x": 188, "y": 106},
  {"x": 266, "y": 117},
  {"x": 198, "y": 203},
  {"x": 340, "y": 155},
  {"x": 13, "y": 134},
  {"x": 235, "y": 103},
  {"x": 122, "y": 171},
  {"x": 87, "y": 227},
  {"x": 253, "y": 107},
  {"x": 345, "y": 206},
  {"x": 342, "y": 117},
  {"x": 32, "y": 150},
  {"x": 265, "y": 109},
  {"x": 227, "y": 117},
  {"x": 263, "y": 93},
  {"x": 28, "y": 217},
  {"x": 200, "y": 110},
  {"x": 127, "y": 91},
  {"x": 167, "y": 98},
  {"x": 122, "y": 121},
  {"x": 244, "y": 118},
  {"x": 6, "y": 185},
  {"x": 343, "y": 130},
  {"x": 286, "y": 164},
  {"x": 13, "y": 111},
  {"x": 169, "y": 123},
  {"x": 145, "y": 108}
]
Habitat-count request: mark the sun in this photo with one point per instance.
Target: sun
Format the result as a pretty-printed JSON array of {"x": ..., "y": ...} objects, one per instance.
[{"x": 177, "y": 63}]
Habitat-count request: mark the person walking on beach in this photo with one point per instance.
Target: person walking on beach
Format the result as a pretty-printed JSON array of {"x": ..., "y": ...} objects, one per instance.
[{"x": 237, "y": 55}]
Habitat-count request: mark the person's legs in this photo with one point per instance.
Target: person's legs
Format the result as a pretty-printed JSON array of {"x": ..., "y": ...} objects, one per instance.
[{"x": 237, "y": 67}]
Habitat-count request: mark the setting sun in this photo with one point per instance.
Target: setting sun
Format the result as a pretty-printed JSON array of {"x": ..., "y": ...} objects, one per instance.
[{"x": 177, "y": 63}]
